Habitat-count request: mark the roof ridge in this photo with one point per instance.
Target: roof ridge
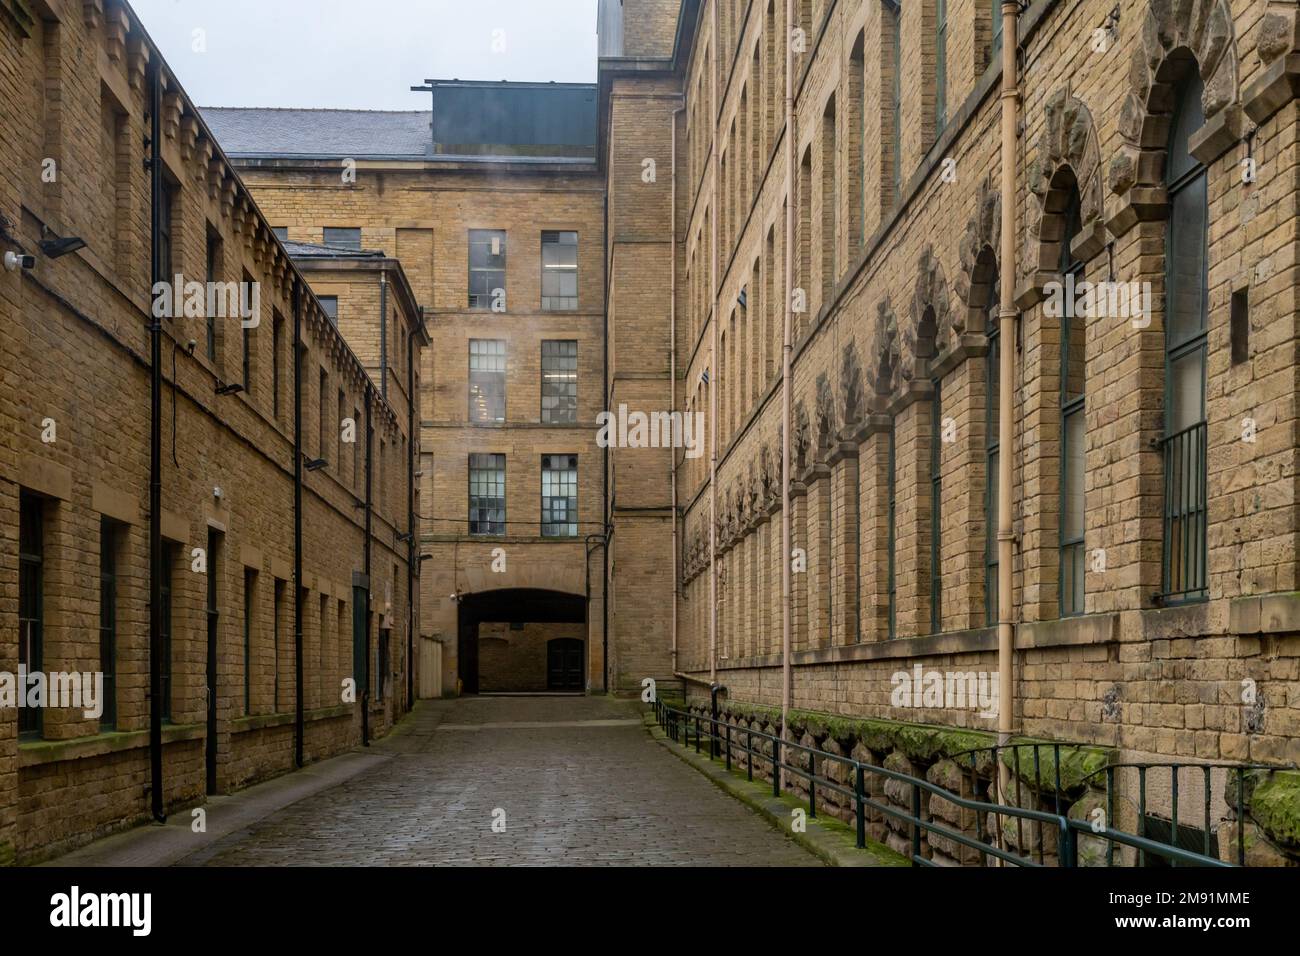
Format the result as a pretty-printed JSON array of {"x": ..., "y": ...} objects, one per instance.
[{"x": 308, "y": 109}]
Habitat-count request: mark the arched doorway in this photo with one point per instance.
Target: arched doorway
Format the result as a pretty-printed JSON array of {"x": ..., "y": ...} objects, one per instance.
[{"x": 522, "y": 640}]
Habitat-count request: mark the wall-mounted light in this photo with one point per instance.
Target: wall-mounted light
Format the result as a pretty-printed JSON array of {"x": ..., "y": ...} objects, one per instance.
[
  {"x": 316, "y": 464},
  {"x": 234, "y": 388}
]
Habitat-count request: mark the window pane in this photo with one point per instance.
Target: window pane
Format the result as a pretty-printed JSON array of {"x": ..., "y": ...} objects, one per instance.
[
  {"x": 344, "y": 238},
  {"x": 559, "y": 496},
  {"x": 1072, "y": 502},
  {"x": 487, "y": 494},
  {"x": 1187, "y": 263},
  {"x": 487, "y": 264},
  {"x": 1187, "y": 391},
  {"x": 487, "y": 380},
  {"x": 559, "y": 382},
  {"x": 559, "y": 270}
]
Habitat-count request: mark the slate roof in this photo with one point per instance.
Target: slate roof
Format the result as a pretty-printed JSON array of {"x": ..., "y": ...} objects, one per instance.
[
  {"x": 315, "y": 250},
  {"x": 530, "y": 122},
  {"x": 321, "y": 134}
]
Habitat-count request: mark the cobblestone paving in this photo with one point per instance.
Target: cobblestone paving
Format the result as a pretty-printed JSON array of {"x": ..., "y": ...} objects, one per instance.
[{"x": 579, "y": 780}]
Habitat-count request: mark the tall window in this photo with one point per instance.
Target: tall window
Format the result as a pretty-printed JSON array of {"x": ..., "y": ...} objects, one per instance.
[
  {"x": 487, "y": 380},
  {"x": 356, "y": 448},
  {"x": 1072, "y": 428},
  {"x": 559, "y": 496},
  {"x": 487, "y": 267},
  {"x": 213, "y": 269},
  {"x": 936, "y": 509},
  {"x": 31, "y": 600},
  {"x": 281, "y": 233},
  {"x": 277, "y": 343},
  {"x": 382, "y": 662},
  {"x": 166, "y": 221},
  {"x": 322, "y": 410},
  {"x": 348, "y": 237},
  {"x": 894, "y": 14},
  {"x": 992, "y": 451},
  {"x": 330, "y": 306},
  {"x": 165, "y": 604},
  {"x": 250, "y": 607},
  {"x": 487, "y": 494},
  {"x": 891, "y": 581},
  {"x": 559, "y": 271},
  {"x": 559, "y": 382},
  {"x": 1186, "y": 282},
  {"x": 108, "y": 620},
  {"x": 275, "y": 643},
  {"x": 940, "y": 66},
  {"x": 996, "y": 20},
  {"x": 338, "y": 431}
]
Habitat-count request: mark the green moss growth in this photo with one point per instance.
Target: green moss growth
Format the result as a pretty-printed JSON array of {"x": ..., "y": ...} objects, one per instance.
[
  {"x": 1275, "y": 806},
  {"x": 1079, "y": 765},
  {"x": 7, "y": 854}
]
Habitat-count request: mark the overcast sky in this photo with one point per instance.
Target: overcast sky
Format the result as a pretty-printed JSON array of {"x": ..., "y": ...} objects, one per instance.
[{"x": 365, "y": 54}]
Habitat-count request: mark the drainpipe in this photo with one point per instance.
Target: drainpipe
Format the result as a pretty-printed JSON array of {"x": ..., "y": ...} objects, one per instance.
[
  {"x": 297, "y": 522},
  {"x": 370, "y": 444},
  {"x": 412, "y": 565},
  {"x": 155, "y": 449},
  {"x": 787, "y": 352},
  {"x": 715, "y": 379},
  {"x": 1007, "y": 331},
  {"x": 672, "y": 361},
  {"x": 383, "y": 335}
]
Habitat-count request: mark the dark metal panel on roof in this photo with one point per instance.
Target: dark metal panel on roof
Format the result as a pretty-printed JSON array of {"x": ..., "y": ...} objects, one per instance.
[{"x": 510, "y": 115}]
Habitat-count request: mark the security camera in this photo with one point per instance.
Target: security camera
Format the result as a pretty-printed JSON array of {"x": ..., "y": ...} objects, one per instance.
[{"x": 14, "y": 261}]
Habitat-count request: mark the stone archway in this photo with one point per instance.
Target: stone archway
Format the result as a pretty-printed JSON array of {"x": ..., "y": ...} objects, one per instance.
[
  {"x": 1066, "y": 155},
  {"x": 931, "y": 324},
  {"x": 1173, "y": 32}
]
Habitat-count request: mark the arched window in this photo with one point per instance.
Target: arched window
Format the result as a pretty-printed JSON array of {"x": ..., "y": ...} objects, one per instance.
[
  {"x": 1186, "y": 281},
  {"x": 891, "y": 533},
  {"x": 992, "y": 448},
  {"x": 936, "y": 508},
  {"x": 893, "y": 118},
  {"x": 1072, "y": 426},
  {"x": 940, "y": 66}
]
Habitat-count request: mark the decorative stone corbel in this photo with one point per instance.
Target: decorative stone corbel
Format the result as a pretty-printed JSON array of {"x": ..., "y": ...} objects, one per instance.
[{"x": 1278, "y": 44}]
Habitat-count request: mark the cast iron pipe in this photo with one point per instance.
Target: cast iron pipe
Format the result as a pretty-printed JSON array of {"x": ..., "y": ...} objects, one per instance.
[
  {"x": 365, "y": 671},
  {"x": 298, "y": 723},
  {"x": 155, "y": 447}
]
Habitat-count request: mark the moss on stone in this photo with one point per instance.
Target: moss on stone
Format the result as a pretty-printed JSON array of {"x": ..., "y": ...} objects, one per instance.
[
  {"x": 7, "y": 854},
  {"x": 1275, "y": 806},
  {"x": 1079, "y": 765}
]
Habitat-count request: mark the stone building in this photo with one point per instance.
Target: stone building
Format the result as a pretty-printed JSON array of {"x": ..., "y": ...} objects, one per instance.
[
  {"x": 496, "y": 213},
  {"x": 1153, "y": 433},
  {"x": 75, "y": 329}
]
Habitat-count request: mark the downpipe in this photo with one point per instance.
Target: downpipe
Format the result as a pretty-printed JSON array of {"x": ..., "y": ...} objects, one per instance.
[
  {"x": 370, "y": 445},
  {"x": 298, "y": 723},
  {"x": 672, "y": 367},
  {"x": 1007, "y": 317},
  {"x": 155, "y": 448},
  {"x": 715, "y": 377},
  {"x": 787, "y": 683}
]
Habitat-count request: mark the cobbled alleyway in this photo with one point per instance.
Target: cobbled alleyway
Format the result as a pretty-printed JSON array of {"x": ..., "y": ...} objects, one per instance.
[{"x": 576, "y": 780}]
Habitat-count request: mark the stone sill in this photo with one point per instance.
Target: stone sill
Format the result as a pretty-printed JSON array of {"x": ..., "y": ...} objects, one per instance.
[
  {"x": 1066, "y": 632},
  {"x": 241, "y": 725},
  {"x": 39, "y": 752}
]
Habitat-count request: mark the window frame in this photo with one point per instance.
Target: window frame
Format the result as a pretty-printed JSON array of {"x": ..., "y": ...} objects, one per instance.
[
  {"x": 482, "y": 382},
  {"x": 482, "y": 301},
  {"x": 563, "y": 479},
  {"x": 495, "y": 526},
  {"x": 31, "y": 602},
  {"x": 561, "y": 270},
  {"x": 559, "y": 382}
]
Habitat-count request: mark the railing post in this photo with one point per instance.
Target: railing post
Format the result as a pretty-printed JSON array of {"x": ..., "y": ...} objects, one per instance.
[
  {"x": 812, "y": 783},
  {"x": 858, "y": 786},
  {"x": 1069, "y": 845},
  {"x": 749, "y": 755},
  {"x": 916, "y": 824},
  {"x": 728, "y": 758},
  {"x": 697, "y": 733},
  {"x": 776, "y": 766}
]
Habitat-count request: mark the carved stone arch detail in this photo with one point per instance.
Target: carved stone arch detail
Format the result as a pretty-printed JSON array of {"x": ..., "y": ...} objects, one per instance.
[
  {"x": 882, "y": 372},
  {"x": 825, "y": 415},
  {"x": 1205, "y": 29},
  {"x": 1067, "y": 154},
  {"x": 983, "y": 231},
  {"x": 852, "y": 405},
  {"x": 800, "y": 438},
  {"x": 931, "y": 324}
]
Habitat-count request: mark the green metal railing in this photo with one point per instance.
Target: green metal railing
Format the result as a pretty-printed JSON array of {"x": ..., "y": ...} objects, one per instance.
[{"x": 724, "y": 740}]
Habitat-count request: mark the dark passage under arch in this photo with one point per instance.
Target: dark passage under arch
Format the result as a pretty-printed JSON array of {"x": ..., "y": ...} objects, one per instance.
[{"x": 521, "y": 640}]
